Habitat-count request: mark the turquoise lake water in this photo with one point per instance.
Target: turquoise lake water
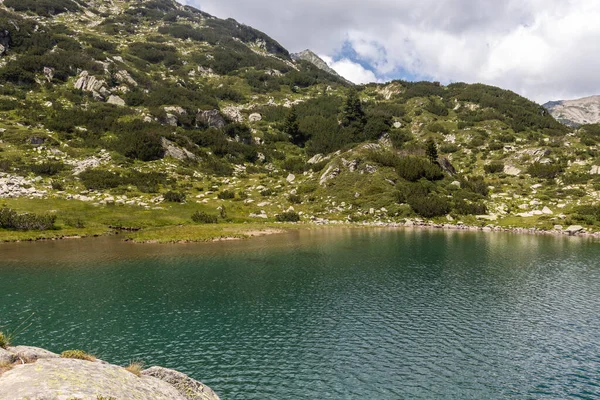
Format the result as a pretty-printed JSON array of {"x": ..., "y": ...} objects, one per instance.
[{"x": 326, "y": 314}]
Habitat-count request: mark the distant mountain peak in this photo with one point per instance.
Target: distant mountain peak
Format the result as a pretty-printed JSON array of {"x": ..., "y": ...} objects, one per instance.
[
  {"x": 311, "y": 57},
  {"x": 576, "y": 112}
]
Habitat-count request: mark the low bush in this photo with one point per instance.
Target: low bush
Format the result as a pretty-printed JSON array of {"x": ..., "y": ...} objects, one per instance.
[
  {"x": 295, "y": 199},
  {"x": 462, "y": 207},
  {"x": 494, "y": 167},
  {"x": 429, "y": 206},
  {"x": 48, "y": 168},
  {"x": 201, "y": 217},
  {"x": 544, "y": 171},
  {"x": 288, "y": 216},
  {"x": 4, "y": 340},
  {"x": 10, "y": 219},
  {"x": 414, "y": 168},
  {"x": 226, "y": 195},
  {"x": 174, "y": 197},
  {"x": 97, "y": 179},
  {"x": 295, "y": 165}
]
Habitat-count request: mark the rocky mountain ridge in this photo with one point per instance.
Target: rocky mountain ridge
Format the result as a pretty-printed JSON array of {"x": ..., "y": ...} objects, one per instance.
[{"x": 576, "y": 112}]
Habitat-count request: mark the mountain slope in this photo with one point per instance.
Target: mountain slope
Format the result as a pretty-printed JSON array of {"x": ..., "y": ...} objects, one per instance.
[
  {"x": 576, "y": 112},
  {"x": 142, "y": 114}
]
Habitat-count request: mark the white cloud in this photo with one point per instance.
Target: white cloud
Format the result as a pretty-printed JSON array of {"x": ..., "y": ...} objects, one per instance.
[
  {"x": 350, "y": 70},
  {"x": 543, "y": 49}
]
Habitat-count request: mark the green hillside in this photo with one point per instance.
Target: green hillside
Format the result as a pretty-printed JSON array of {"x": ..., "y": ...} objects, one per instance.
[{"x": 152, "y": 115}]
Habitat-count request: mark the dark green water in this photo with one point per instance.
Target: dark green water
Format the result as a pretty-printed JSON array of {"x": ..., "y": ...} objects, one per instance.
[{"x": 331, "y": 314}]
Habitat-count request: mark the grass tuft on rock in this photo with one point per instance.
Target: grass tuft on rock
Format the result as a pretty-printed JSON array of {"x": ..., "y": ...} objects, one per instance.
[
  {"x": 77, "y": 355},
  {"x": 4, "y": 340},
  {"x": 135, "y": 368}
]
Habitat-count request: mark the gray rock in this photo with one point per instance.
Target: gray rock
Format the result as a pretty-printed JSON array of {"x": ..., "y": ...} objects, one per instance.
[
  {"x": 510, "y": 170},
  {"x": 179, "y": 153},
  {"x": 28, "y": 354},
  {"x": 255, "y": 117},
  {"x": 189, "y": 388},
  {"x": 62, "y": 378},
  {"x": 212, "y": 118},
  {"x": 116, "y": 100},
  {"x": 317, "y": 158},
  {"x": 171, "y": 120},
  {"x": 573, "y": 229},
  {"x": 291, "y": 178}
]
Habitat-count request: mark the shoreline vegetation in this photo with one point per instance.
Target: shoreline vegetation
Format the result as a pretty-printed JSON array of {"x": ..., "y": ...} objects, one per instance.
[{"x": 184, "y": 234}]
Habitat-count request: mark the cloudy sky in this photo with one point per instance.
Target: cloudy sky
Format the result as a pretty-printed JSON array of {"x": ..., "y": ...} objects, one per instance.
[{"x": 542, "y": 49}]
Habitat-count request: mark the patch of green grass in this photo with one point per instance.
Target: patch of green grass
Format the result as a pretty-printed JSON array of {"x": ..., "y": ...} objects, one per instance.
[{"x": 205, "y": 233}]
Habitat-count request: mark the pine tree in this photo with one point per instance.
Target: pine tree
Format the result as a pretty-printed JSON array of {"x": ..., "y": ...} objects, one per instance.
[
  {"x": 431, "y": 151},
  {"x": 353, "y": 116},
  {"x": 292, "y": 128}
]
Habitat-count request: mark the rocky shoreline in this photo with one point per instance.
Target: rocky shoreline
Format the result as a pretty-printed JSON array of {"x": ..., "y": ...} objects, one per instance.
[
  {"x": 573, "y": 230},
  {"x": 37, "y": 374}
]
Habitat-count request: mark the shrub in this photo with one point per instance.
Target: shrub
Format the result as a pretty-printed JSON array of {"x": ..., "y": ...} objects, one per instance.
[
  {"x": 44, "y": 8},
  {"x": 414, "y": 168},
  {"x": 295, "y": 199},
  {"x": 399, "y": 137},
  {"x": 267, "y": 192},
  {"x": 174, "y": 197},
  {"x": 142, "y": 146},
  {"x": 429, "y": 206},
  {"x": 217, "y": 167},
  {"x": 57, "y": 185},
  {"x": 146, "y": 182},
  {"x": 10, "y": 219},
  {"x": 295, "y": 165},
  {"x": 77, "y": 355},
  {"x": 4, "y": 340},
  {"x": 494, "y": 167},
  {"x": 288, "y": 216},
  {"x": 97, "y": 179},
  {"x": 47, "y": 168},
  {"x": 226, "y": 195},
  {"x": 544, "y": 171},
  {"x": 464, "y": 208},
  {"x": 448, "y": 148},
  {"x": 201, "y": 217}
]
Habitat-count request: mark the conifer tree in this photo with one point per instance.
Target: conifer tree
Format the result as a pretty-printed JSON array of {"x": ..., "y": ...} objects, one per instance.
[
  {"x": 431, "y": 151},
  {"x": 292, "y": 128},
  {"x": 353, "y": 116}
]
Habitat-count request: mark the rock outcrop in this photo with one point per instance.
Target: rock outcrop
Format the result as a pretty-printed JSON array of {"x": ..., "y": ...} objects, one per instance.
[
  {"x": 212, "y": 118},
  {"x": 38, "y": 374}
]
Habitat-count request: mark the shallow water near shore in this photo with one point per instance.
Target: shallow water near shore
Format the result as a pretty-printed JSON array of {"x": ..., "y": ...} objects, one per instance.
[{"x": 325, "y": 313}]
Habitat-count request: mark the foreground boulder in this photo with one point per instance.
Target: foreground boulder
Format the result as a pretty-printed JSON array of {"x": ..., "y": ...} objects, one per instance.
[
  {"x": 66, "y": 378},
  {"x": 190, "y": 389}
]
